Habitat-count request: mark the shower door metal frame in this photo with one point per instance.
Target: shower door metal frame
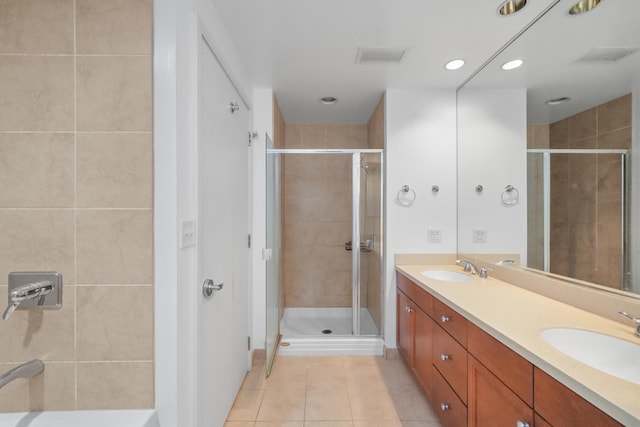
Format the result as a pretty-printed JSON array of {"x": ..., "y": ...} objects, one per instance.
[
  {"x": 355, "y": 219},
  {"x": 625, "y": 172}
]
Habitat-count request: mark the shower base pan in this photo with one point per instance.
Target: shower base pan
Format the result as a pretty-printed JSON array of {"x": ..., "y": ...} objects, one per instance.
[{"x": 327, "y": 331}]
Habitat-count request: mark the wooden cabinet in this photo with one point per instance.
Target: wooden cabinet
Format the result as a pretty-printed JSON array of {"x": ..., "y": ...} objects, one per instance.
[
  {"x": 450, "y": 358},
  {"x": 454, "y": 323},
  {"x": 491, "y": 402},
  {"x": 423, "y": 349},
  {"x": 447, "y": 404},
  {"x": 512, "y": 369},
  {"x": 405, "y": 327},
  {"x": 559, "y": 406},
  {"x": 414, "y": 335},
  {"x": 472, "y": 379}
]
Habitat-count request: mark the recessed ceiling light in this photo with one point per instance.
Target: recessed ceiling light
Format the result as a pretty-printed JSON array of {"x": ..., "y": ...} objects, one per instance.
[
  {"x": 328, "y": 100},
  {"x": 455, "y": 64},
  {"x": 512, "y": 64},
  {"x": 583, "y": 6},
  {"x": 556, "y": 101},
  {"x": 511, "y": 6}
]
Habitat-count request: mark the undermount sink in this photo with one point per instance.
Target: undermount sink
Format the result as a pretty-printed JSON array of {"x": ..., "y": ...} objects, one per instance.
[
  {"x": 446, "y": 275},
  {"x": 605, "y": 353}
]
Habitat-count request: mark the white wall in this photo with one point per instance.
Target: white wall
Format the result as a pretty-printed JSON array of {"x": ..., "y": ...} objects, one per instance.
[
  {"x": 175, "y": 146},
  {"x": 263, "y": 124},
  {"x": 492, "y": 141},
  {"x": 420, "y": 127}
]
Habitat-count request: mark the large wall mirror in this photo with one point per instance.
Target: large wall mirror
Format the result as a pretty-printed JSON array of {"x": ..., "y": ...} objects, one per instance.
[{"x": 548, "y": 152}]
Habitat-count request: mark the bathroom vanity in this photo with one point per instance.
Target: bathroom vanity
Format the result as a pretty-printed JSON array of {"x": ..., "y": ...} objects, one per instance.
[{"x": 475, "y": 348}]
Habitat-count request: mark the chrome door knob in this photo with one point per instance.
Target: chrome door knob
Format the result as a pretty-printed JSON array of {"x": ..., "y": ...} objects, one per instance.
[
  {"x": 444, "y": 356},
  {"x": 521, "y": 424},
  {"x": 444, "y": 319},
  {"x": 444, "y": 406},
  {"x": 208, "y": 287}
]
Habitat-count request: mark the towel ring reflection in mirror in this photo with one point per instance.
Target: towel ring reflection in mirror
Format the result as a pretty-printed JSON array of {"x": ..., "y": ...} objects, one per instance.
[
  {"x": 510, "y": 196},
  {"x": 406, "y": 196}
]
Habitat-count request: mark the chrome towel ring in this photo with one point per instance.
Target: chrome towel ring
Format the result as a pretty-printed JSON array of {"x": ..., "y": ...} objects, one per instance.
[
  {"x": 510, "y": 196},
  {"x": 406, "y": 196}
]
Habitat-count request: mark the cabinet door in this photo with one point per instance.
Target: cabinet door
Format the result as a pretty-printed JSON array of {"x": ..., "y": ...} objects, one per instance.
[
  {"x": 423, "y": 345},
  {"x": 560, "y": 406},
  {"x": 404, "y": 329},
  {"x": 491, "y": 403}
]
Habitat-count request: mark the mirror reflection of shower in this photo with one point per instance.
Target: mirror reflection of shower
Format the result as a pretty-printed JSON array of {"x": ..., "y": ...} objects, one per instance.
[{"x": 578, "y": 202}]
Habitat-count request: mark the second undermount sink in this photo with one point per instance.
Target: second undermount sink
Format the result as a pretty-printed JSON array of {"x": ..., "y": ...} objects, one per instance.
[
  {"x": 605, "y": 353},
  {"x": 446, "y": 275}
]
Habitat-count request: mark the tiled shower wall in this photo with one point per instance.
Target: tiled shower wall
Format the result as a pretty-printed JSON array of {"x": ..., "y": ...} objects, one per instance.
[
  {"x": 316, "y": 193},
  {"x": 585, "y": 196},
  {"x": 76, "y": 197}
]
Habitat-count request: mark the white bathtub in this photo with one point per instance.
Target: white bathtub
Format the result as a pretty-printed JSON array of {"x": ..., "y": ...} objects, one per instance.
[{"x": 119, "y": 418}]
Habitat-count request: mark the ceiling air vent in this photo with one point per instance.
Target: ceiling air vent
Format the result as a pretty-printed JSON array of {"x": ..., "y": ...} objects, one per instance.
[
  {"x": 607, "y": 54},
  {"x": 375, "y": 55}
]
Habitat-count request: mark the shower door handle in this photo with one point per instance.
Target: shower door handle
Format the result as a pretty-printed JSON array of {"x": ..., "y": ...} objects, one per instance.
[{"x": 208, "y": 286}]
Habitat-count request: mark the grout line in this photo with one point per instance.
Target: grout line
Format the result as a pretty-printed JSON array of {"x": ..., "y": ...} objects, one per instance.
[{"x": 75, "y": 202}]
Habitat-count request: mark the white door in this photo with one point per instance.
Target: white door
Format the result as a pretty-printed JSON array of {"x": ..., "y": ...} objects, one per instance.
[{"x": 222, "y": 240}]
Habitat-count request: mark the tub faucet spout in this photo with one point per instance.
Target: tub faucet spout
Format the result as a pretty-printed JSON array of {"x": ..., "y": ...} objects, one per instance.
[{"x": 26, "y": 370}]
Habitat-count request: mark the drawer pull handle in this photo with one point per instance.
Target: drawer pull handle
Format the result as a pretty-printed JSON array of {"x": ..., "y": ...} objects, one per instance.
[
  {"x": 521, "y": 424},
  {"x": 444, "y": 357},
  {"x": 408, "y": 309},
  {"x": 444, "y": 406},
  {"x": 444, "y": 319}
]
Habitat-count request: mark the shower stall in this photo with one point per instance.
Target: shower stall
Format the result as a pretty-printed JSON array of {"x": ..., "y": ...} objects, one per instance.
[
  {"x": 578, "y": 222},
  {"x": 325, "y": 246}
]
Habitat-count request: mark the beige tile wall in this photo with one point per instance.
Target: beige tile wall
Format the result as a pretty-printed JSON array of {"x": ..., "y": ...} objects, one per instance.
[
  {"x": 76, "y": 197},
  {"x": 316, "y": 193},
  {"x": 585, "y": 195}
]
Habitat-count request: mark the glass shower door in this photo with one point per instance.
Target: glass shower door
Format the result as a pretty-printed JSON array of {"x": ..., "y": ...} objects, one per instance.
[
  {"x": 368, "y": 181},
  {"x": 272, "y": 254}
]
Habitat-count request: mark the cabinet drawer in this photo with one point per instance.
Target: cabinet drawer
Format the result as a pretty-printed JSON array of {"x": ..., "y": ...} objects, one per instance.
[
  {"x": 422, "y": 298},
  {"x": 448, "y": 406},
  {"x": 560, "y": 406},
  {"x": 512, "y": 369},
  {"x": 451, "y": 321},
  {"x": 491, "y": 403},
  {"x": 451, "y": 360}
]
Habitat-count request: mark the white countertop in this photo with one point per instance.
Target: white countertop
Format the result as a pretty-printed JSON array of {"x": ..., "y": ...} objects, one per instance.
[{"x": 516, "y": 317}]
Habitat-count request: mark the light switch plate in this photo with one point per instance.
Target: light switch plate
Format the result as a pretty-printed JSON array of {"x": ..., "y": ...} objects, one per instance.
[{"x": 187, "y": 233}]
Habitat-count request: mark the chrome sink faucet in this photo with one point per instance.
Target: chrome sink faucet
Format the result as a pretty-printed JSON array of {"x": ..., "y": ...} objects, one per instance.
[
  {"x": 473, "y": 268},
  {"x": 468, "y": 266},
  {"x": 634, "y": 318}
]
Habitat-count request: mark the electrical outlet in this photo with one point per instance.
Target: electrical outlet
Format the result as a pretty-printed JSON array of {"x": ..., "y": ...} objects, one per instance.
[
  {"x": 435, "y": 235},
  {"x": 479, "y": 235},
  {"x": 187, "y": 233}
]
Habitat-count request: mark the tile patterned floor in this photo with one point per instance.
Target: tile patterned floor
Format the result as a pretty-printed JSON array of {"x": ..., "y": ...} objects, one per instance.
[{"x": 332, "y": 391}]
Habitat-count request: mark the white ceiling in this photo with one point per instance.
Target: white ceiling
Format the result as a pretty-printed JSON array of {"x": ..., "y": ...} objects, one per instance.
[
  {"x": 551, "y": 49},
  {"x": 306, "y": 49}
]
